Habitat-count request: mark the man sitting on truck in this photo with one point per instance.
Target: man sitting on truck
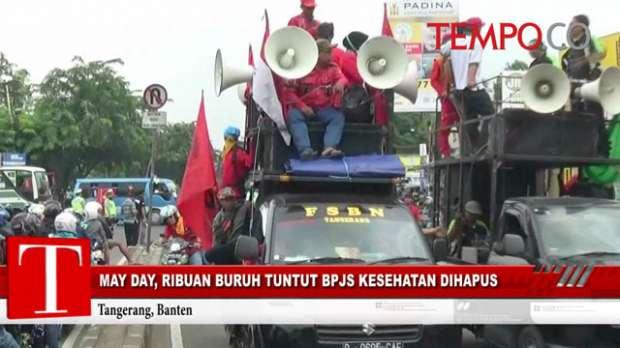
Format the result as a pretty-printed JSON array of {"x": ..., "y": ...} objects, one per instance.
[
  {"x": 318, "y": 96},
  {"x": 469, "y": 230}
]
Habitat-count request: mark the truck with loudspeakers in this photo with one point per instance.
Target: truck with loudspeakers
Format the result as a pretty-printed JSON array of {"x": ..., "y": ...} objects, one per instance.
[
  {"x": 542, "y": 173},
  {"x": 331, "y": 211}
]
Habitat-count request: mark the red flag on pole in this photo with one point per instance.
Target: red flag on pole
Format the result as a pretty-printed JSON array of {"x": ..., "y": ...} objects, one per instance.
[
  {"x": 387, "y": 29},
  {"x": 196, "y": 201}
]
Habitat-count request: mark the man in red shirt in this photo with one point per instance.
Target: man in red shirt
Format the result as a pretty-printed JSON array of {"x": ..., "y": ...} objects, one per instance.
[
  {"x": 346, "y": 60},
  {"x": 306, "y": 20},
  {"x": 318, "y": 96},
  {"x": 236, "y": 163}
]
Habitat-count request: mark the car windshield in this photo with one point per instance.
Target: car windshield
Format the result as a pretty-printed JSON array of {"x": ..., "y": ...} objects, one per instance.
[
  {"x": 350, "y": 231},
  {"x": 573, "y": 231}
]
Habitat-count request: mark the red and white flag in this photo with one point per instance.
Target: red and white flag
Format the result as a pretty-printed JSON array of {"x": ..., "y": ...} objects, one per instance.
[{"x": 267, "y": 90}]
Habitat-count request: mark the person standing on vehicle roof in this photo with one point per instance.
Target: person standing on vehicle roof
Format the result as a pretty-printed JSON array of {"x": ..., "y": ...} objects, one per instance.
[
  {"x": 318, "y": 96},
  {"x": 539, "y": 54},
  {"x": 236, "y": 163},
  {"x": 305, "y": 20},
  {"x": 470, "y": 231},
  {"x": 469, "y": 93},
  {"x": 129, "y": 211},
  {"x": 175, "y": 228}
]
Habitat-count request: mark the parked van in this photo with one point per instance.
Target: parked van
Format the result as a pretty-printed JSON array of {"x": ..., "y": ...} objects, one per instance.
[{"x": 31, "y": 182}]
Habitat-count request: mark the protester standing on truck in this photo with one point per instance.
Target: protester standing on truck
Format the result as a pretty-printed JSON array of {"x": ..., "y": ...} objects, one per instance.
[
  {"x": 539, "y": 54},
  {"x": 318, "y": 96},
  {"x": 236, "y": 163},
  {"x": 441, "y": 79},
  {"x": 584, "y": 64},
  {"x": 469, "y": 230},
  {"x": 306, "y": 20},
  {"x": 470, "y": 94}
]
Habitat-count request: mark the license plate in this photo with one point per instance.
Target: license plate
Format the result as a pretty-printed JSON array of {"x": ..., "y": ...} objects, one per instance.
[{"x": 374, "y": 344}]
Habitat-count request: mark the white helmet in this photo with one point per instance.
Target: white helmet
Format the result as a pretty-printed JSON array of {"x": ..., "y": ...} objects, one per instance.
[
  {"x": 167, "y": 212},
  {"x": 65, "y": 222},
  {"x": 37, "y": 209},
  {"x": 91, "y": 210}
]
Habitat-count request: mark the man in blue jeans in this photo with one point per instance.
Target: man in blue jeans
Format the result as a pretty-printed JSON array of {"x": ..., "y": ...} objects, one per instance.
[{"x": 318, "y": 96}]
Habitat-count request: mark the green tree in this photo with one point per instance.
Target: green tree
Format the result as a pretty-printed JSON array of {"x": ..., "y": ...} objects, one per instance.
[
  {"x": 86, "y": 118},
  {"x": 517, "y": 65},
  {"x": 15, "y": 106},
  {"x": 409, "y": 130},
  {"x": 173, "y": 148}
]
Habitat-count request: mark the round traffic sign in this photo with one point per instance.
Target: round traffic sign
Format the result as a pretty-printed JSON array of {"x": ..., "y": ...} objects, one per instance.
[{"x": 155, "y": 96}]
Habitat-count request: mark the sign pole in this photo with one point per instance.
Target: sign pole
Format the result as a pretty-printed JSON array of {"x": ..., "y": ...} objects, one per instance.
[{"x": 155, "y": 96}]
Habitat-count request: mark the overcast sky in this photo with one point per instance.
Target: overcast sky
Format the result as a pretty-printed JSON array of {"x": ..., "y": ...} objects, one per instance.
[{"x": 174, "y": 42}]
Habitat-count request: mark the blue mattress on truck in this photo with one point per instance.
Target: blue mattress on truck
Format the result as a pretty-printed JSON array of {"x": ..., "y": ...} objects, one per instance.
[{"x": 366, "y": 166}]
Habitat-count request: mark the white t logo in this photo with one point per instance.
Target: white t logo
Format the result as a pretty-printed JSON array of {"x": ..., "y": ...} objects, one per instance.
[{"x": 51, "y": 275}]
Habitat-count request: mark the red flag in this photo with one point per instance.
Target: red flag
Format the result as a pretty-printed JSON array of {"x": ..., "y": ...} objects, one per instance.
[
  {"x": 196, "y": 201},
  {"x": 265, "y": 36},
  {"x": 387, "y": 29},
  {"x": 250, "y": 56}
]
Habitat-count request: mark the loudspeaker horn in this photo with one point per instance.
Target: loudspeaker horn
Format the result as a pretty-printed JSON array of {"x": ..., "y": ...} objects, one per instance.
[
  {"x": 241, "y": 93},
  {"x": 382, "y": 62},
  {"x": 545, "y": 88},
  {"x": 225, "y": 76},
  {"x": 408, "y": 88},
  {"x": 605, "y": 90},
  {"x": 291, "y": 52}
]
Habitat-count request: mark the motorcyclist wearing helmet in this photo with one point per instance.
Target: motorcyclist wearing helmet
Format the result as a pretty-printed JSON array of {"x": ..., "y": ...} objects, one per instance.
[
  {"x": 52, "y": 209},
  {"x": 96, "y": 228},
  {"x": 26, "y": 225},
  {"x": 175, "y": 228},
  {"x": 66, "y": 225}
]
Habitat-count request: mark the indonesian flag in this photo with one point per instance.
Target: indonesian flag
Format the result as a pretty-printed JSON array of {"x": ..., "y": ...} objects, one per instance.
[
  {"x": 196, "y": 201},
  {"x": 267, "y": 90}
]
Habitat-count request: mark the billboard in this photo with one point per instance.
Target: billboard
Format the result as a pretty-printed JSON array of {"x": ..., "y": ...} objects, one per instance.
[{"x": 408, "y": 20}]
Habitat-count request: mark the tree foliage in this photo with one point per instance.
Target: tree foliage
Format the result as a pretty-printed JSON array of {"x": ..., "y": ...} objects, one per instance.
[{"x": 517, "y": 65}]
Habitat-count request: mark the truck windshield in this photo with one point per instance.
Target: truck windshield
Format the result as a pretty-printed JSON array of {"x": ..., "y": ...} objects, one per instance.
[
  {"x": 350, "y": 231},
  {"x": 588, "y": 230}
]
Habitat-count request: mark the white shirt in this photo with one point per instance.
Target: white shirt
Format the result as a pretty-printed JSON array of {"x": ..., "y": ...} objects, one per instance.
[{"x": 462, "y": 58}]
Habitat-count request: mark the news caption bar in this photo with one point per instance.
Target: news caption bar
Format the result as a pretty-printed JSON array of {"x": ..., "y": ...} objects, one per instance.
[{"x": 348, "y": 295}]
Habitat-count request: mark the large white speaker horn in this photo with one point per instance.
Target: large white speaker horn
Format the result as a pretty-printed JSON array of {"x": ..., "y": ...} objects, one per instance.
[
  {"x": 225, "y": 76},
  {"x": 408, "y": 88},
  {"x": 545, "y": 88},
  {"x": 291, "y": 52},
  {"x": 241, "y": 93},
  {"x": 605, "y": 90},
  {"x": 382, "y": 62}
]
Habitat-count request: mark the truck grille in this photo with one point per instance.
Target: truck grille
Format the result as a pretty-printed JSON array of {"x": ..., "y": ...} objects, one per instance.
[{"x": 336, "y": 334}]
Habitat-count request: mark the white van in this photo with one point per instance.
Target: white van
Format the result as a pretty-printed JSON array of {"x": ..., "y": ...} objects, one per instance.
[{"x": 30, "y": 182}]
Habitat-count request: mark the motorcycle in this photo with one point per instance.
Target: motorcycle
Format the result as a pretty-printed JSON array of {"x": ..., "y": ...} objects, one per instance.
[
  {"x": 176, "y": 252},
  {"x": 98, "y": 256}
]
